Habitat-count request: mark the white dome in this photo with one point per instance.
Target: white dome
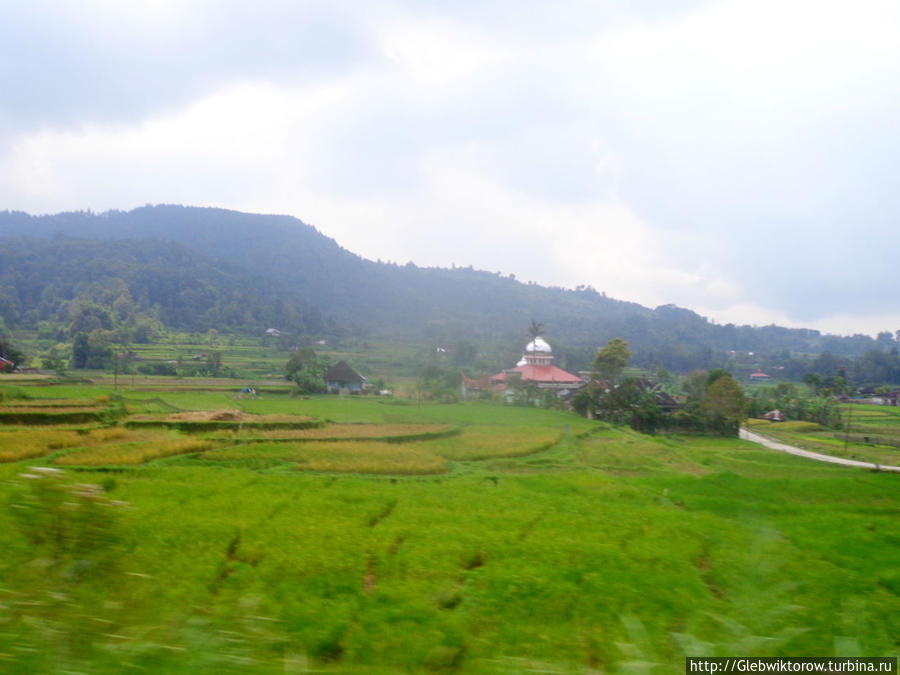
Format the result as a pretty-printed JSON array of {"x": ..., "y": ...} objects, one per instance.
[
  {"x": 521, "y": 362},
  {"x": 538, "y": 346}
]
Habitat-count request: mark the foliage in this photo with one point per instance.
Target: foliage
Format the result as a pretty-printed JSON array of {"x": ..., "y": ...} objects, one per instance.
[
  {"x": 8, "y": 351},
  {"x": 438, "y": 384},
  {"x": 177, "y": 268},
  {"x": 305, "y": 370},
  {"x": 61, "y": 572},
  {"x": 626, "y": 403},
  {"x": 611, "y": 361},
  {"x": 724, "y": 404},
  {"x": 62, "y": 520},
  {"x": 793, "y": 405},
  {"x": 157, "y": 369}
]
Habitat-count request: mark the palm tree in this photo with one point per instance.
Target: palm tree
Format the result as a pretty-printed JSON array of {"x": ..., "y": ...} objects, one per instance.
[{"x": 535, "y": 330}]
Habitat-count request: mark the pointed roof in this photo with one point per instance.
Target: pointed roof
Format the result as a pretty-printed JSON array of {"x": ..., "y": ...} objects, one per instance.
[
  {"x": 547, "y": 374},
  {"x": 342, "y": 372}
]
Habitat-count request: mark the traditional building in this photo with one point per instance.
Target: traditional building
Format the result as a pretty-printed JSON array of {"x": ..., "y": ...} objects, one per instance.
[
  {"x": 535, "y": 367},
  {"x": 341, "y": 376}
]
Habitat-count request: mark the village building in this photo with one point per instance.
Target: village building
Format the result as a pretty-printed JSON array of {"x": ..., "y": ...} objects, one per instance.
[
  {"x": 535, "y": 368},
  {"x": 341, "y": 377},
  {"x": 759, "y": 376}
]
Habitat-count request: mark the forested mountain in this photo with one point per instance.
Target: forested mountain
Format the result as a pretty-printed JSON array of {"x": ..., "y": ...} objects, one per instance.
[
  {"x": 54, "y": 279},
  {"x": 200, "y": 268}
]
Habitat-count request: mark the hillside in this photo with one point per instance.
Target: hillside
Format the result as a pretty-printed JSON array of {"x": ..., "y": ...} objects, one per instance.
[{"x": 194, "y": 264}]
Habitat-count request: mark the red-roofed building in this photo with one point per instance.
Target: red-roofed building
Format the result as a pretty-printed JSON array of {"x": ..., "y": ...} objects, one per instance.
[{"x": 536, "y": 366}]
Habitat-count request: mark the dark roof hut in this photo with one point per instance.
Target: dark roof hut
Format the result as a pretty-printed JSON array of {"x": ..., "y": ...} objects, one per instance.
[{"x": 342, "y": 376}]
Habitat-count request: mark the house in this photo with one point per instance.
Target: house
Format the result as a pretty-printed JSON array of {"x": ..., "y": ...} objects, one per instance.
[
  {"x": 759, "y": 376},
  {"x": 473, "y": 385},
  {"x": 774, "y": 416},
  {"x": 665, "y": 401},
  {"x": 341, "y": 377},
  {"x": 879, "y": 396},
  {"x": 273, "y": 332}
]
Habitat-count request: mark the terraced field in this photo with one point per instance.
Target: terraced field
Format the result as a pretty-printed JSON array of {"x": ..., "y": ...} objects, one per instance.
[
  {"x": 870, "y": 434},
  {"x": 394, "y": 538}
]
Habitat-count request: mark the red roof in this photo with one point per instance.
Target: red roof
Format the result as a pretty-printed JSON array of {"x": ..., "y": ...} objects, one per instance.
[
  {"x": 545, "y": 374},
  {"x": 481, "y": 383}
]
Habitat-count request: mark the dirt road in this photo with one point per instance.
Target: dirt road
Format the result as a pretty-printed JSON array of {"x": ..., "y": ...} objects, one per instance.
[{"x": 775, "y": 445}]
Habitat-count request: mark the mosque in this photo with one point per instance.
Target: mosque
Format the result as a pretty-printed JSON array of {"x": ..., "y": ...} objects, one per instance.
[{"x": 536, "y": 366}]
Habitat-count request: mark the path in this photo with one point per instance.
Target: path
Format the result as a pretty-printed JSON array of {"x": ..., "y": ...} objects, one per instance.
[{"x": 775, "y": 445}]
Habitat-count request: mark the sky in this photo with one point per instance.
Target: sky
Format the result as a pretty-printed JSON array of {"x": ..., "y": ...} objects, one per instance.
[{"x": 735, "y": 157}]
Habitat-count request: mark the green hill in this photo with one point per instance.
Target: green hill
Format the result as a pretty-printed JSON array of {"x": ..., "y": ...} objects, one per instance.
[{"x": 200, "y": 268}]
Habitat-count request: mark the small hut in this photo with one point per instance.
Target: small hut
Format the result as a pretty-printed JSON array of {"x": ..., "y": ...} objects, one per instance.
[{"x": 341, "y": 377}]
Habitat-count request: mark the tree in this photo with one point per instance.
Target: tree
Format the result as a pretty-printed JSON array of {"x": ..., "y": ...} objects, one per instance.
[
  {"x": 8, "y": 352},
  {"x": 535, "y": 330},
  {"x": 724, "y": 405},
  {"x": 626, "y": 403},
  {"x": 694, "y": 385},
  {"x": 305, "y": 370},
  {"x": 814, "y": 382},
  {"x": 611, "y": 361},
  {"x": 214, "y": 363},
  {"x": 80, "y": 350}
]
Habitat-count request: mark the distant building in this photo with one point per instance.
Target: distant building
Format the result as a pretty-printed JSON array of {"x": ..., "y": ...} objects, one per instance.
[
  {"x": 341, "y": 376},
  {"x": 273, "y": 332},
  {"x": 535, "y": 366},
  {"x": 759, "y": 376}
]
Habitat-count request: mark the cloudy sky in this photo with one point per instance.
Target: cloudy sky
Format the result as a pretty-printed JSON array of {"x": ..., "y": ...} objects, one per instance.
[{"x": 737, "y": 157}]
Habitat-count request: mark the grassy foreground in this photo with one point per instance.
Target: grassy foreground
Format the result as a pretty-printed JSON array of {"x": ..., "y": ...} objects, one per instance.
[{"x": 517, "y": 547}]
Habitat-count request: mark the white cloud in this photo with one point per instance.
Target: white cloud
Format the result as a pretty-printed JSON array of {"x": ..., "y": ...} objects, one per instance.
[
  {"x": 655, "y": 158},
  {"x": 234, "y": 142}
]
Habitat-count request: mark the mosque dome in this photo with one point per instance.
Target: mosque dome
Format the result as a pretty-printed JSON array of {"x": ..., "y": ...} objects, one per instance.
[
  {"x": 538, "y": 346},
  {"x": 522, "y": 361}
]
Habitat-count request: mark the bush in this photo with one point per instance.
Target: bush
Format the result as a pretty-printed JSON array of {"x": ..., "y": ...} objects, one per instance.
[{"x": 157, "y": 369}]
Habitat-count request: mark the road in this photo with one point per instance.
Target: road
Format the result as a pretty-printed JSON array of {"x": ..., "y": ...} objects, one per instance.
[{"x": 775, "y": 445}]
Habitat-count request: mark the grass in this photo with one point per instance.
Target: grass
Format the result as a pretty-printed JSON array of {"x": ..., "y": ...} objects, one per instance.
[
  {"x": 514, "y": 546},
  {"x": 133, "y": 453},
  {"x": 371, "y": 457},
  {"x": 873, "y": 435},
  {"x": 19, "y": 444},
  {"x": 361, "y": 431},
  {"x": 486, "y": 442}
]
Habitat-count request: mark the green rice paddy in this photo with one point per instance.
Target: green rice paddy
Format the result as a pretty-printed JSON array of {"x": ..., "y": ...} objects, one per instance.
[{"x": 478, "y": 539}]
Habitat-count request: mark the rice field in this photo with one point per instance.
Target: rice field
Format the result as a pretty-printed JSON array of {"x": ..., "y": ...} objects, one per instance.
[
  {"x": 130, "y": 454},
  {"x": 870, "y": 434},
  {"x": 339, "y": 431},
  {"x": 370, "y": 457},
  {"x": 24, "y": 443},
  {"x": 524, "y": 541}
]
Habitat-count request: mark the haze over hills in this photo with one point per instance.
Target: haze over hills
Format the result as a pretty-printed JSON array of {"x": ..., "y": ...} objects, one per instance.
[{"x": 200, "y": 268}]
